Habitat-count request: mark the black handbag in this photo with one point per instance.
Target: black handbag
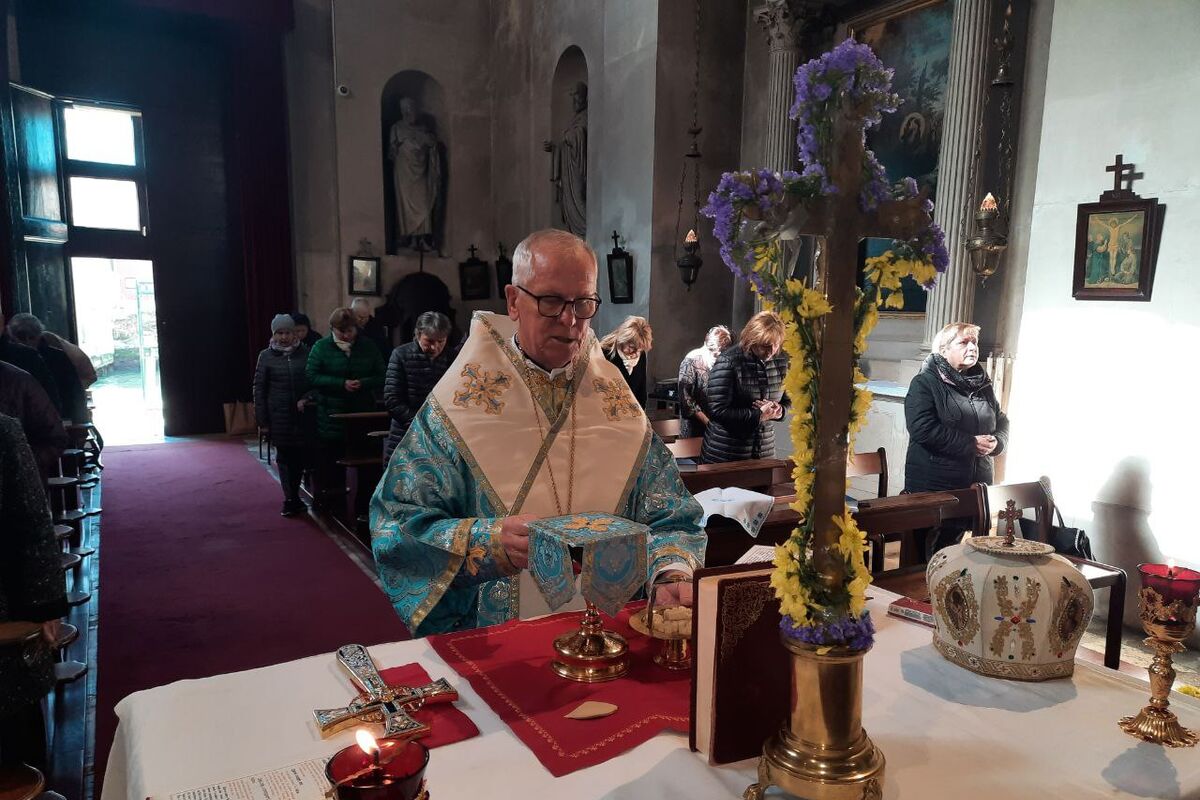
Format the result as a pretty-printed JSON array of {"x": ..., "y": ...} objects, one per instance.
[{"x": 1065, "y": 540}]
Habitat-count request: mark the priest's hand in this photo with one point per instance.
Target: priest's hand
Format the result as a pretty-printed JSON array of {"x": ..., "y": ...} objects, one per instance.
[
  {"x": 514, "y": 538},
  {"x": 984, "y": 445},
  {"x": 677, "y": 593}
]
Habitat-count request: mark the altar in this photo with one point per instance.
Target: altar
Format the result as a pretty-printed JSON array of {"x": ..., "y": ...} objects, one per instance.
[{"x": 945, "y": 732}]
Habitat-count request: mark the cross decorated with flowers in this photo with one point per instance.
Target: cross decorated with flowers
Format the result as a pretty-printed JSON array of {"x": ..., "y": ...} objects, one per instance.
[{"x": 842, "y": 195}]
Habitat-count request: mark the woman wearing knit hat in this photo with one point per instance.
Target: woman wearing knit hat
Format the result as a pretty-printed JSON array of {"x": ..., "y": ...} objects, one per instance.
[{"x": 280, "y": 390}]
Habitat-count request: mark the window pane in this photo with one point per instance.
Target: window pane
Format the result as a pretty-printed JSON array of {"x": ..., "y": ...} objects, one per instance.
[
  {"x": 101, "y": 203},
  {"x": 99, "y": 134}
]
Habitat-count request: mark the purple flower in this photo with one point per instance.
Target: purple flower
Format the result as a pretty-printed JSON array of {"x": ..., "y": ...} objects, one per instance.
[{"x": 857, "y": 634}]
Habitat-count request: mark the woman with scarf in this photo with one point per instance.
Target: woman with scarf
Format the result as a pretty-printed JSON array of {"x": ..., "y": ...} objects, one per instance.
[
  {"x": 279, "y": 398},
  {"x": 345, "y": 370},
  {"x": 955, "y": 425},
  {"x": 693, "y": 381}
]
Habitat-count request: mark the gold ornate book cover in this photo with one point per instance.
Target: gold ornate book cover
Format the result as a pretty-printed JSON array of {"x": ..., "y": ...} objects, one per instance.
[{"x": 740, "y": 671}]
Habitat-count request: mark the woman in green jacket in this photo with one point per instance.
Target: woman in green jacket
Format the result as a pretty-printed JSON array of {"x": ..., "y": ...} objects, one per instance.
[{"x": 345, "y": 371}]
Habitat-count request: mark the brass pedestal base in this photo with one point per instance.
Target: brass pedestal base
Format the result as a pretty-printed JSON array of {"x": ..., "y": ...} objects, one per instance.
[
  {"x": 1159, "y": 726},
  {"x": 805, "y": 770},
  {"x": 675, "y": 654},
  {"x": 591, "y": 654}
]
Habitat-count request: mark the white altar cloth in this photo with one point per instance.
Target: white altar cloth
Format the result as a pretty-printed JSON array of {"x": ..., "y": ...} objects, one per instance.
[{"x": 945, "y": 732}]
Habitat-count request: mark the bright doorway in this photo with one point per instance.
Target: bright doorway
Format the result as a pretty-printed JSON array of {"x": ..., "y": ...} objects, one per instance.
[{"x": 117, "y": 327}]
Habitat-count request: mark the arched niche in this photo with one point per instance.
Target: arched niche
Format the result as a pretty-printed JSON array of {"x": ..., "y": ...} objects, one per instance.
[
  {"x": 429, "y": 101},
  {"x": 570, "y": 72}
]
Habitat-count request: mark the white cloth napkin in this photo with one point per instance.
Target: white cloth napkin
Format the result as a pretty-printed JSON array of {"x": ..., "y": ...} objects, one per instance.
[{"x": 749, "y": 509}]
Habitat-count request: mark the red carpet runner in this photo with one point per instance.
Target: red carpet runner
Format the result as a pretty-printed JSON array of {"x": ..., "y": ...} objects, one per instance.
[{"x": 199, "y": 575}]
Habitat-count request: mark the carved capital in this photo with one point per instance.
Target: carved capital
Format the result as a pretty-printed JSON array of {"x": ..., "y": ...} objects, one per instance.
[{"x": 785, "y": 20}]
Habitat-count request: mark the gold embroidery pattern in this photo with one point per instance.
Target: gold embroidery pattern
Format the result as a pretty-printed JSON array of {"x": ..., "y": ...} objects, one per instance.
[
  {"x": 1013, "y": 618},
  {"x": 599, "y": 524},
  {"x": 957, "y": 606},
  {"x": 638, "y": 463},
  {"x": 464, "y": 452},
  {"x": 483, "y": 388},
  {"x": 1069, "y": 619},
  {"x": 438, "y": 586},
  {"x": 741, "y": 606},
  {"x": 996, "y": 668},
  {"x": 618, "y": 400},
  {"x": 530, "y": 721},
  {"x": 499, "y": 554}
]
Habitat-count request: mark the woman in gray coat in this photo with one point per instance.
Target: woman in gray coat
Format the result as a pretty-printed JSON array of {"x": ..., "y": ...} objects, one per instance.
[{"x": 280, "y": 391}]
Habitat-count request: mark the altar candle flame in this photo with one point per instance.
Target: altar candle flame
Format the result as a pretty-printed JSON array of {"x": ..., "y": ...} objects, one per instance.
[
  {"x": 367, "y": 742},
  {"x": 1170, "y": 569},
  {"x": 989, "y": 203}
]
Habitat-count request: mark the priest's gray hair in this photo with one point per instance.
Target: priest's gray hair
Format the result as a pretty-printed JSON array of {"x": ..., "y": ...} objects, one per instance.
[
  {"x": 548, "y": 241},
  {"x": 946, "y": 336}
]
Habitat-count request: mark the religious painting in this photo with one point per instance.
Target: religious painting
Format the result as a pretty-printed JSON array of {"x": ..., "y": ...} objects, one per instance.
[
  {"x": 364, "y": 276},
  {"x": 1116, "y": 247},
  {"x": 473, "y": 282},
  {"x": 620, "y": 275},
  {"x": 913, "y": 38}
]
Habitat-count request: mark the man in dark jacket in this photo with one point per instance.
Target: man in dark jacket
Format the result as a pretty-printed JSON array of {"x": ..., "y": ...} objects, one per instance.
[
  {"x": 26, "y": 358},
  {"x": 413, "y": 370},
  {"x": 31, "y": 590},
  {"x": 22, "y": 398},
  {"x": 280, "y": 395},
  {"x": 28, "y": 330},
  {"x": 955, "y": 425}
]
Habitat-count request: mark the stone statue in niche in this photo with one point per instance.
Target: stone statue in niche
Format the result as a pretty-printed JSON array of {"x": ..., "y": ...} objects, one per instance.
[
  {"x": 416, "y": 178},
  {"x": 570, "y": 166}
]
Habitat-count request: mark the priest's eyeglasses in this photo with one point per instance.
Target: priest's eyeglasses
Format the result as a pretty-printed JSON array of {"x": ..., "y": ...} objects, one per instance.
[{"x": 551, "y": 305}]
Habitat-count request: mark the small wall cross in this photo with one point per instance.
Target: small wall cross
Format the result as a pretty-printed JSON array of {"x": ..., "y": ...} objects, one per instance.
[
  {"x": 1122, "y": 173},
  {"x": 616, "y": 241},
  {"x": 472, "y": 250}
]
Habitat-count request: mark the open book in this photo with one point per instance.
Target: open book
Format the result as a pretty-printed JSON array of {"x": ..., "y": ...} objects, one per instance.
[{"x": 749, "y": 509}]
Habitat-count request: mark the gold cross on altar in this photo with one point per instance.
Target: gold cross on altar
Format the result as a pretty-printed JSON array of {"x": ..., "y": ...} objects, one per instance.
[{"x": 840, "y": 221}]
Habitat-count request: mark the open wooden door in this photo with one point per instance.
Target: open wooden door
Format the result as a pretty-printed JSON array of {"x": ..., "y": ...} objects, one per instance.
[{"x": 37, "y": 212}]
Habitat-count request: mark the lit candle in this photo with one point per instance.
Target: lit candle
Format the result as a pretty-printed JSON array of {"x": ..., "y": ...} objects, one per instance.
[
  {"x": 383, "y": 769},
  {"x": 989, "y": 203},
  {"x": 1172, "y": 583}
]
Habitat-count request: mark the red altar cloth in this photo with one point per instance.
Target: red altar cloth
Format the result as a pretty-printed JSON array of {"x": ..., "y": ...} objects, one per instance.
[
  {"x": 448, "y": 723},
  {"x": 509, "y": 665}
]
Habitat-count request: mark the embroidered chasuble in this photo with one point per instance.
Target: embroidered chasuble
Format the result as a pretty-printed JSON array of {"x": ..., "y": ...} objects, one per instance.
[{"x": 495, "y": 438}]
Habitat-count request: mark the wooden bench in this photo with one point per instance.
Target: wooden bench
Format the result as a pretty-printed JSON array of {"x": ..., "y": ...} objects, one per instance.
[
  {"x": 887, "y": 518},
  {"x": 755, "y": 474},
  {"x": 363, "y": 453},
  {"x": 728, "y": 540}
]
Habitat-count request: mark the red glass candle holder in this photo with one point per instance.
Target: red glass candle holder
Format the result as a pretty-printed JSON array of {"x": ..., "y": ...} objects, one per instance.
[
  {"x": 1171, "y": 583},
  {"x": 399, "y": 775}
]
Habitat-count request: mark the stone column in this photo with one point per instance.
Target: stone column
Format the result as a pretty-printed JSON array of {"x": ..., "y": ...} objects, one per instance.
[
  {"x": 782, "y": 22},
  {"x": 954, "y": 298}
]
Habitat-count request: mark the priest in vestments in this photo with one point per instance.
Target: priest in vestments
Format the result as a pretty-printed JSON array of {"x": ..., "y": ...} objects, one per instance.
[{"x": 531, "y": 421}]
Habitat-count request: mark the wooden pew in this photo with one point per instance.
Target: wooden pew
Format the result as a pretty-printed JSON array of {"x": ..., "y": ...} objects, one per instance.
[
  {"x": 903, "y": 515},
  {"x": 363, "y": 453},
  {"x": 728, "y": 540},
  {"x": 755, "y": 474}
]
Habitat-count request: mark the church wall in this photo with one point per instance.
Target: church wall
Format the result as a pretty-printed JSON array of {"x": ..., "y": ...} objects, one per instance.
[
  {"x": 1097, "y": 384},
  {"x": 681, "y": 317},
  {"x": 371, "y": 42}
]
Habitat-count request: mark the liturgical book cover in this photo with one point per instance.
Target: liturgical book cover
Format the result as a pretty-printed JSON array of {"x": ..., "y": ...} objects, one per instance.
[{"x": 740, "y": 672}]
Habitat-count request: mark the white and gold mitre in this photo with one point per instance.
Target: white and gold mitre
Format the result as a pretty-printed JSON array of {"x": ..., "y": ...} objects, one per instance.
[{"x": 1008, "y": 608}]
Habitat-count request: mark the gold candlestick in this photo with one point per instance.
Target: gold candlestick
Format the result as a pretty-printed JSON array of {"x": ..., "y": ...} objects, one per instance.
[{"x": 1168, "y": 624}]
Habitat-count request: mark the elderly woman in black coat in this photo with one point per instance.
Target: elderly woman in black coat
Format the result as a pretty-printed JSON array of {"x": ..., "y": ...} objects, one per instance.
[
  {"x": 280, "y": 394},
  {"x": 955, "y": 425},
  {"x": 412, "y": 372},
  {"x": 745, "y": 394},
  {"x": 31, "y": 591}
]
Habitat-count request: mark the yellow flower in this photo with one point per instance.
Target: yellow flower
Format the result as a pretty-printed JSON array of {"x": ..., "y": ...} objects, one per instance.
[
  {"x": 814, "y": 305},
  {"x": 895, "y": 299}
]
